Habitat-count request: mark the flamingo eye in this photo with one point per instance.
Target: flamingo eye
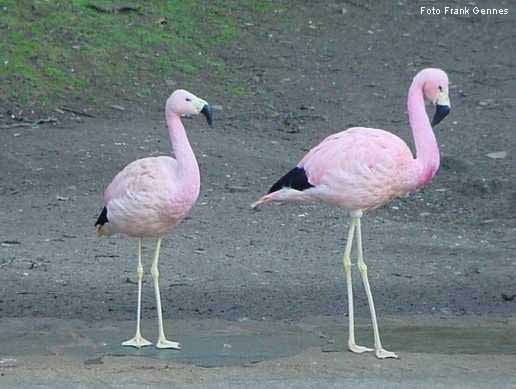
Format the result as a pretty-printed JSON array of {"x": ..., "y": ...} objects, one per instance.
[
  {"x": 188, "y": 99},
  {"x": 440, "y": 88}
]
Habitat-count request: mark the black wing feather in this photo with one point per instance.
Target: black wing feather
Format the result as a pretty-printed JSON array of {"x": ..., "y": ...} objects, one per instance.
[
  {"x": 295, "y": 179},
  {"x": 102, "y": 218}
]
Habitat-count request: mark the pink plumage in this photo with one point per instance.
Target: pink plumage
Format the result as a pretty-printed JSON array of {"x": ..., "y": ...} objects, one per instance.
[
  {"x": 363, "y": 168},
  {"x": 360, "y": 168},
  {"x": 150, "y": 196}
]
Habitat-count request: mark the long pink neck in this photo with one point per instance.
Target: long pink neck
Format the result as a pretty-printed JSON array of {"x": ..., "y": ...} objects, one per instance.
[
  {"x": 187, "y": 164},
  {"x": 427, "y": 150}
]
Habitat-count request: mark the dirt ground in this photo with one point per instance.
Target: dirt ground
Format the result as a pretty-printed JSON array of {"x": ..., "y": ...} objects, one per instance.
[{"x": 445, "y": 252}]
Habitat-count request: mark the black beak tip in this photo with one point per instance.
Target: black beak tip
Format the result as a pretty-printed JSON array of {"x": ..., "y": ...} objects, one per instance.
[
  {"x": 207, "y": 111},
  {"x": 441, "y": 111}
]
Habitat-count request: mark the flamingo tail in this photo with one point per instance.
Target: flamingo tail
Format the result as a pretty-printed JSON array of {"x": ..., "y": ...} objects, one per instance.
[{"x": 263, "y": 200}]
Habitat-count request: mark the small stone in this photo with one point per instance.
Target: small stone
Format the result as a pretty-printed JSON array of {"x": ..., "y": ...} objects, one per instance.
[
  {"x": 236, "y": 188},
  {"x": 497, "y": 155},
  {"x": 94, "y": 361},
  {"x": 10, "y": 242},
  {"x": 7, "y": 362}
]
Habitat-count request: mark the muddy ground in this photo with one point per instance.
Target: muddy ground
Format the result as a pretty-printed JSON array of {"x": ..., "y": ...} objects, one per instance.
[{"x": 310, "y": 69}]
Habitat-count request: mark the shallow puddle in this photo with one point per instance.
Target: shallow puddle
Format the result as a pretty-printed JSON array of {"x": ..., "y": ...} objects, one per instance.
[
  {"x": 218, "y": 343},
  {"x": 434, "y": 340},
  {"x": 212, "y": 351}
]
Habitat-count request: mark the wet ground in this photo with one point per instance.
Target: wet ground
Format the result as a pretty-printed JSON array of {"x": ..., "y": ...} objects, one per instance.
[
  {"x": 307, "y": 353},
  {"x": 446, "y": 252}
]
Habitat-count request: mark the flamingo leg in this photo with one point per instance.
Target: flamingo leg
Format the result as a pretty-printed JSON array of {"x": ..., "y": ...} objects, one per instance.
[
  {"x": 352, "y": 346},
  {"x": 138, "y": 341},
  {"x": 162, "y": 340},
  {"x": 362, "y": 267}
]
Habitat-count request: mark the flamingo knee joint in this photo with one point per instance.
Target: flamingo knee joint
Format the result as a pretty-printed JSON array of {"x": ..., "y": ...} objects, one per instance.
[
  {"x": 139, "y": 271},
  {"x": 347, "y": 265}
]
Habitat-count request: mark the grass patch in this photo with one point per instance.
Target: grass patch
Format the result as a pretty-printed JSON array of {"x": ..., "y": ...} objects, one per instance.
[{"x": 56, "y": 51}]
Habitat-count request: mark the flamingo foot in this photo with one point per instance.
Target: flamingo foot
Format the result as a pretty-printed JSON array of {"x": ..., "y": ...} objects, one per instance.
[
  {"x": 138, "y": 341},
  {"x": 164, "y": 343},
  {"x": 383, "y": 354},
  {"x": 358, "y": 349}
]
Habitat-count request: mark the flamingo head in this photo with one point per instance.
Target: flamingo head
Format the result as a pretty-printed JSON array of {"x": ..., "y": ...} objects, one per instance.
[
  {"x": 435, "y": 88},
  {"x": 182, "y": 102}
]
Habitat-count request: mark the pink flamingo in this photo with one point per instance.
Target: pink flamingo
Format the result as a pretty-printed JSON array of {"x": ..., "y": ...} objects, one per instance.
[
  {"x": 363, "y": 168},
  {"x": 150, "y": 196}
]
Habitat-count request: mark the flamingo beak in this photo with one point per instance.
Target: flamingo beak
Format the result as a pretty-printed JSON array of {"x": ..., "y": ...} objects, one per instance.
[
  {"x": 442, "y": 108},
  {"x": 441, "y": 111},
  {"x": 207, "y": 111}
]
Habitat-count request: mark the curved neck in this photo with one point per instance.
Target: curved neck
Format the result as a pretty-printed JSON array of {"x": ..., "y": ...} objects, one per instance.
[
  {"x": 186, "y": 162},
  {"x": 427, "y": 150}
]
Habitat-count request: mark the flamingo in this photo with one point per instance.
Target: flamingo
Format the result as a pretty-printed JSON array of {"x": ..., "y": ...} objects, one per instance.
[
  {"x": 360, "y": 169},
  {"x": 151, "y": 196}
]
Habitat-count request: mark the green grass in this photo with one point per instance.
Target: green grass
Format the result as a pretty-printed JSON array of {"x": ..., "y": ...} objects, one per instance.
[{"x": 54, "y": 51}]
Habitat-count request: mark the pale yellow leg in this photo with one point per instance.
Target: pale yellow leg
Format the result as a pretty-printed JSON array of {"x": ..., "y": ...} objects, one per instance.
[
  {"x": 352, "y": 346},
  {"x": 138, "y": 341},
  {"x": 379, "y": 350},
  {"x": 162, "y": 341}
]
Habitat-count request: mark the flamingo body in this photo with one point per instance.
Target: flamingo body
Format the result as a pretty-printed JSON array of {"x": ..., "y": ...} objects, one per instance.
[
  {"x": 364, "y": 168},
  {"x": 147, "y": 198},
  {"x": 360, "y": 169},
  {"x": 150, "y": 196}
]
